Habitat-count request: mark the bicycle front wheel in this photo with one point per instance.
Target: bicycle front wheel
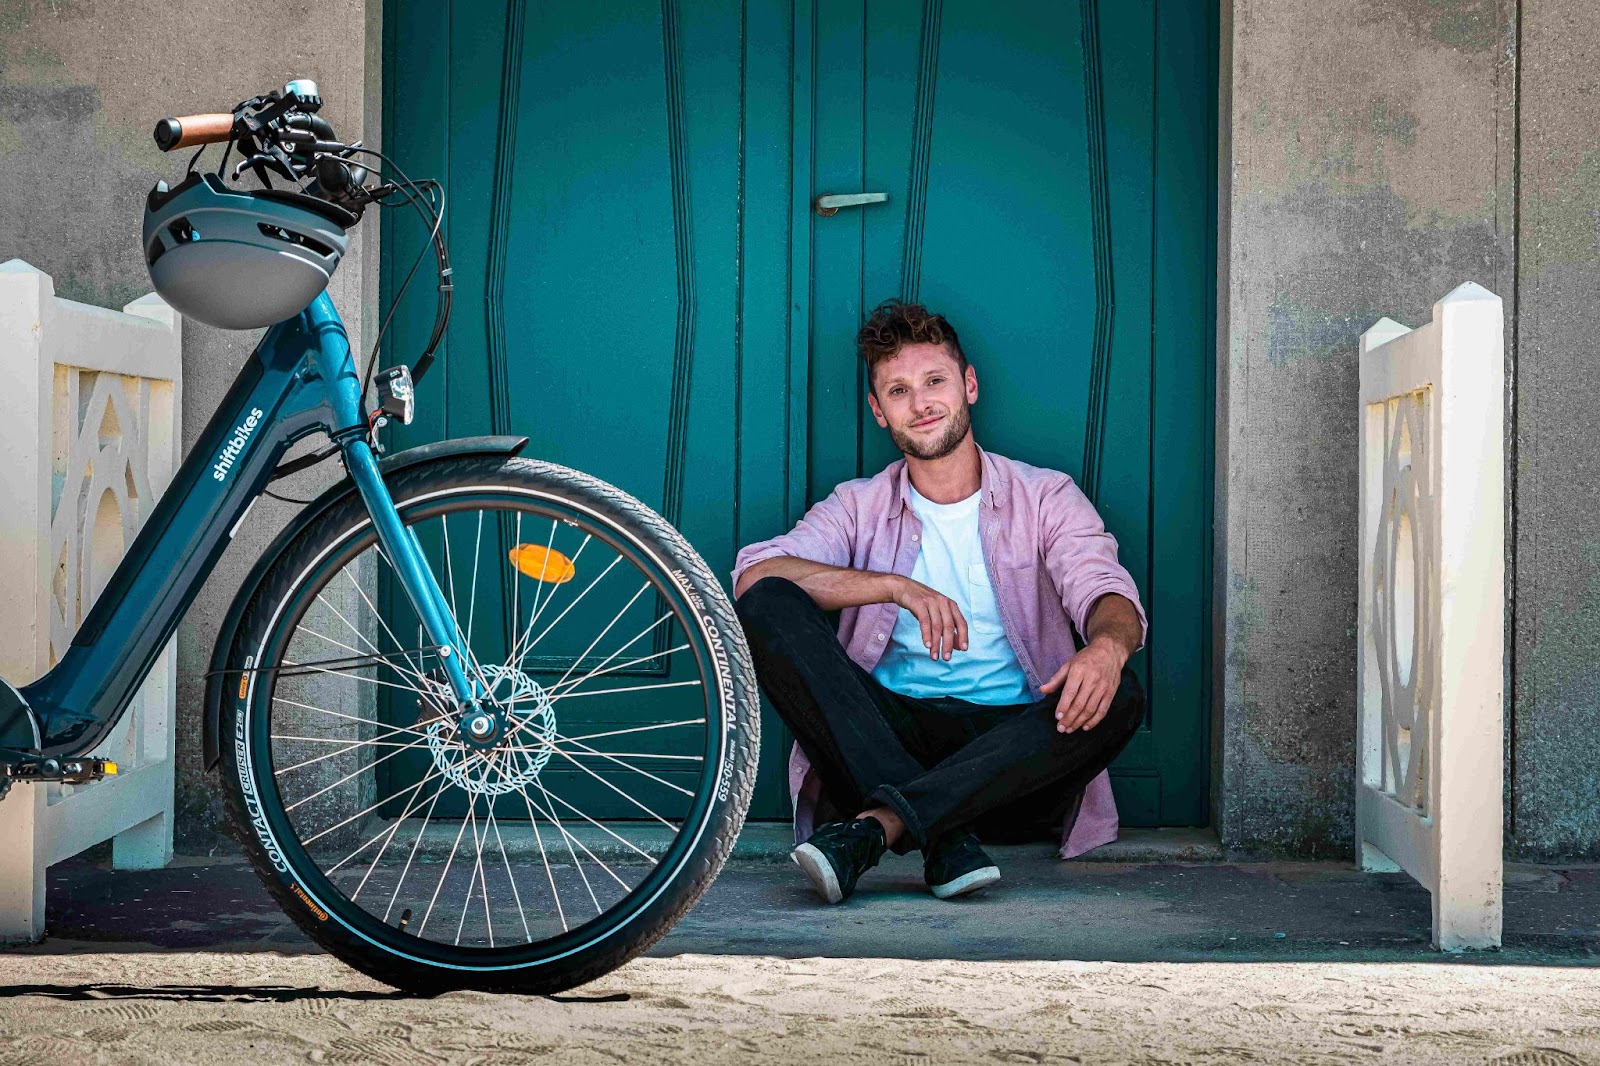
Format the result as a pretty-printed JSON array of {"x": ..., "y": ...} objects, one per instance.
[{"x": 572, "y": 840}]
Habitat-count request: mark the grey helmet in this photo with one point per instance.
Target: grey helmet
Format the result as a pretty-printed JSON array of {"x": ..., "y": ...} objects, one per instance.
[{"x": 240, "y": 259}]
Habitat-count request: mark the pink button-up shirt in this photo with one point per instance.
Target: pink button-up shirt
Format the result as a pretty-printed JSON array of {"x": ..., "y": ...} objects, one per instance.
[{"x": 1049, "y": 559}]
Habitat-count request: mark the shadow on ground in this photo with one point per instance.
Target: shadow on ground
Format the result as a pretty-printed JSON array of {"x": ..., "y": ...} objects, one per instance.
[{"x": 1042, "y": 909}]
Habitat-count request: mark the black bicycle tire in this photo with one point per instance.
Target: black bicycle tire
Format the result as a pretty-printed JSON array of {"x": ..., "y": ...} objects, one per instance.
[{"x": 725, "y": 815}]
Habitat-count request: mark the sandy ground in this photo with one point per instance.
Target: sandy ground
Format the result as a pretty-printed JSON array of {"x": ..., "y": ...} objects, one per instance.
[{"x": 164, "y": 1007}]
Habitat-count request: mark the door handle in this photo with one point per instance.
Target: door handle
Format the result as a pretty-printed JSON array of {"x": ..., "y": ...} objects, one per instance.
[{"x": 828, "y": 204}]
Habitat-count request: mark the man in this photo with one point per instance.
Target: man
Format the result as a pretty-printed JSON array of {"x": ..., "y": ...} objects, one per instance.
[{"x": 952, "y": 688}]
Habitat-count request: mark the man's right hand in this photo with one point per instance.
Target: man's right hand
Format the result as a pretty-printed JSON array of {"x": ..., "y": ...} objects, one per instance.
[{"x": 944, "y": 630}]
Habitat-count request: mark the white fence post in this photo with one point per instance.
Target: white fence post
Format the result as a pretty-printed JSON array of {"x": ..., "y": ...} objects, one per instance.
[
  {"x": 1432, "y": 598},
  {"x": 89, "y": 437}
]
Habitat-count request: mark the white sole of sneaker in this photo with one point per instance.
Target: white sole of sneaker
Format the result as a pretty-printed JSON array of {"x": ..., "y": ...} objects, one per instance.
[
  {"x": 820, "y": 871},
  {"x": 968, "y": 882}
]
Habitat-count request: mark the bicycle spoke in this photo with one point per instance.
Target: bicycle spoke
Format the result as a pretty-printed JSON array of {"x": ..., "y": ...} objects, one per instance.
[
  {"x": 557, "y": 739},
  {"x": 615, "y": 789},
  {"x": 543, "y": 632},
  {"x": 412, "y": 806},
  {"x": 417, "y": 666},
  {"x": 631, "y": 688},
  {"x": 566, "y": 836},
  {"x": 359, "y": 636},
  {"x": 603, "y": 662},
  {"x": 538, "y": 589},
  {"x": 602, "y": 634},
  {"x": 442, "y": 875},
  {"x": 354, "y": 677},
  {"x": 638, "y": 729},
  {"x": 349, "y": 717},
  {"x": 527, "y": 935},
  {"x": 308, "y": 841},
  {"x": 518, "y": 652},
  {"x": 630, "y": 766},
  {"x": 349, "y": 746},
  {"x": 597, "y": 672},
  {"x": 358, "y": 771},
  {"x": 477, "y": 869},
  {"x": 603, "y": 828},
  {"x": 472, "y": 594},
  {"x": 555, "y": 893},
  {"x": 528, "y": 722},
  {"x": 426, "y": 818}
]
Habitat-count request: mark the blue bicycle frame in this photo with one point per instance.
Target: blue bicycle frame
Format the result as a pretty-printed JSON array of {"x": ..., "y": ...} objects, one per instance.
[{"x": 300, "y": 380}]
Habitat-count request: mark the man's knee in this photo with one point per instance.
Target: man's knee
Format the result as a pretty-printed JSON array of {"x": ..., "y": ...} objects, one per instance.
[
  {"x": 1128, "y": 704},
  {"x": 770, "y": 602}
]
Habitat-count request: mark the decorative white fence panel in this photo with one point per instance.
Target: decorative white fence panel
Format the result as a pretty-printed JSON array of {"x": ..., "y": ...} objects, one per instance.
[
  {"x": 1432, "y": 598},
  {"x": 89, "y": 437}
]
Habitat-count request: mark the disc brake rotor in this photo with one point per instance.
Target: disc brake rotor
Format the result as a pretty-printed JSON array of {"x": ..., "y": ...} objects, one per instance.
[{"x": 518, "y": 759}]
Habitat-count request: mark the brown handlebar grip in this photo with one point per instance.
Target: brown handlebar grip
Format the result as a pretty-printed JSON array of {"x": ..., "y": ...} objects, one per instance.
[{"x": 190, "y": 130}]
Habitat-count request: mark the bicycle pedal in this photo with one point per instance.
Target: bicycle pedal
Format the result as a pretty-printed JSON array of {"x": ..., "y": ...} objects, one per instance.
[{"x": 64, "y": 771}]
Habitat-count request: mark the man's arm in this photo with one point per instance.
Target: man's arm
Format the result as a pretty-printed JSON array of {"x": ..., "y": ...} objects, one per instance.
[
  {"x": 832, "y": 587},
  {"x": 1113, "y": 618},
  {"x": 1090, "y": 678},
  {"x": 944, "y": 629}
]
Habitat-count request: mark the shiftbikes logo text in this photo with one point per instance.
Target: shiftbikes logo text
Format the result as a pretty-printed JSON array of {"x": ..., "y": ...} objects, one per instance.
[{"x": 235, "y": 445}]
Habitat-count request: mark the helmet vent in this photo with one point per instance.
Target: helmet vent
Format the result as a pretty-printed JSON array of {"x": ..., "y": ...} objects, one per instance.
[
  {"x": 291, "y": 237},
  {"x": 182, "y": 232}
]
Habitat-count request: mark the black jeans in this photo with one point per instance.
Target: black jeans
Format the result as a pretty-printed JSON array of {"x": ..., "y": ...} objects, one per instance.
[{"x": 940, "y": 764}]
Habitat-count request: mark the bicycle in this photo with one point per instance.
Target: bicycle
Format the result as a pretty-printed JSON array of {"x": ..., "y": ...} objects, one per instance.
[{"x": 369, "y": 687}]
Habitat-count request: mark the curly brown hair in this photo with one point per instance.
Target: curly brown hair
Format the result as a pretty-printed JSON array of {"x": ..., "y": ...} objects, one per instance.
[{"x": 895, "y": 324}]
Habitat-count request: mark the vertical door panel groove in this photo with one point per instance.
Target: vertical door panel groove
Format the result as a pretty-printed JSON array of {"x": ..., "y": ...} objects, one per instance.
[
  {"x": 921, "y": 147},
  {"x": 683, "y": 249},
  {"x": 499, "y": 219},
  {"x": 1100, "y": 214}
]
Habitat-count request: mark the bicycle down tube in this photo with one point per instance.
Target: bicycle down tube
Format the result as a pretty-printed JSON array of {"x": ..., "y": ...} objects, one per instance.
[{"x": 300, "y": 379}]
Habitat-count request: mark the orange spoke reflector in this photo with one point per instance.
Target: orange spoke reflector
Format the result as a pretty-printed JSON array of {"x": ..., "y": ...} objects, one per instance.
[{"x": 542, "y": 564}]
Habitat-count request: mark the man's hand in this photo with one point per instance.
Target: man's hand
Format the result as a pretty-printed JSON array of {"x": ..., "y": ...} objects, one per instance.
[
  {"x": 944, "y": 630},
  {"x": 1087, "y": 683}
]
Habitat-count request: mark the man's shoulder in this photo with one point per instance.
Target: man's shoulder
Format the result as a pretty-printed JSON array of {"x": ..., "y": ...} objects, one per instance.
[
  {"x": 1034, "y": 480},
  {"x": 869, "y": 492}
]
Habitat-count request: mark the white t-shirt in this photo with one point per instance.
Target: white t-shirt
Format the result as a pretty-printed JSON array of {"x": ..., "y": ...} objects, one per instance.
[{"x": 950, "y": 559}]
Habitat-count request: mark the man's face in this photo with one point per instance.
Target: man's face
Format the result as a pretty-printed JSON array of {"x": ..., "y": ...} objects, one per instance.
[{"x": 922, "y": 398}]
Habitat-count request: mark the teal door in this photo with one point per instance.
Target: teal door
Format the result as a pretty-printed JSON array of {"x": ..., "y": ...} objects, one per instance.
[{"x": 644, "y": 288}]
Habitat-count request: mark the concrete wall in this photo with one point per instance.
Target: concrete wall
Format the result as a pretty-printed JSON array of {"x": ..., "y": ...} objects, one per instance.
[
  {"x": 1372, "y": 151},
  {"x": 1382, "y": 152},
  {"x": 81, "y": 87},
  {"x": 1556, "y": 452}
]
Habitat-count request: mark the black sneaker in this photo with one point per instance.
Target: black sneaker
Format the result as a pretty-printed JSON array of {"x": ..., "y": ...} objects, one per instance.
[
  {"x": 838, "y": 854},
  {"x": 955, "y": 865}
]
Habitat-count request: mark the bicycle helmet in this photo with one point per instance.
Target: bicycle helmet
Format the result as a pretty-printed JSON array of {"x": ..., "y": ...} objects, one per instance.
[{"x": 240, "y": 259}]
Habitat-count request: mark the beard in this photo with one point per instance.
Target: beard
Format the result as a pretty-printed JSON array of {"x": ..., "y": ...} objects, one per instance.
[{"x": 956, "y": 428}]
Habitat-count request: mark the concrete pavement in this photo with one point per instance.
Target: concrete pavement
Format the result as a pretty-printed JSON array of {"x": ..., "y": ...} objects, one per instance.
[{"x": 1043, "y": 909}]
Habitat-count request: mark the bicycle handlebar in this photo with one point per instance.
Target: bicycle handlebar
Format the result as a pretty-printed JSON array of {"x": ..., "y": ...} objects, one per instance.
[
  {"x": 281, "y": 134},
  {"x": 190, "y": 130}
]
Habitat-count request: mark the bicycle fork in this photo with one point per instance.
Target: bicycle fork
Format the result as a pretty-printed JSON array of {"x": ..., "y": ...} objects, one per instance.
[{"x": 480, "y": 725}]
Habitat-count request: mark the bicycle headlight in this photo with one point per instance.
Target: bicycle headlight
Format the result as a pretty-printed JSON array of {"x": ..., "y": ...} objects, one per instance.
[{"x": 395, "y": 395}]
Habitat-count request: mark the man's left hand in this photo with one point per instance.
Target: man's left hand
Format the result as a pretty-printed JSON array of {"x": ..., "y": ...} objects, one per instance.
[{"x": 1087, "y": 682}]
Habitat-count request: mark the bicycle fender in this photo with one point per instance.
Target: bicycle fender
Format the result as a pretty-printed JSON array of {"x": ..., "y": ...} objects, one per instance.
[{"x": 216, "y": 674}]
